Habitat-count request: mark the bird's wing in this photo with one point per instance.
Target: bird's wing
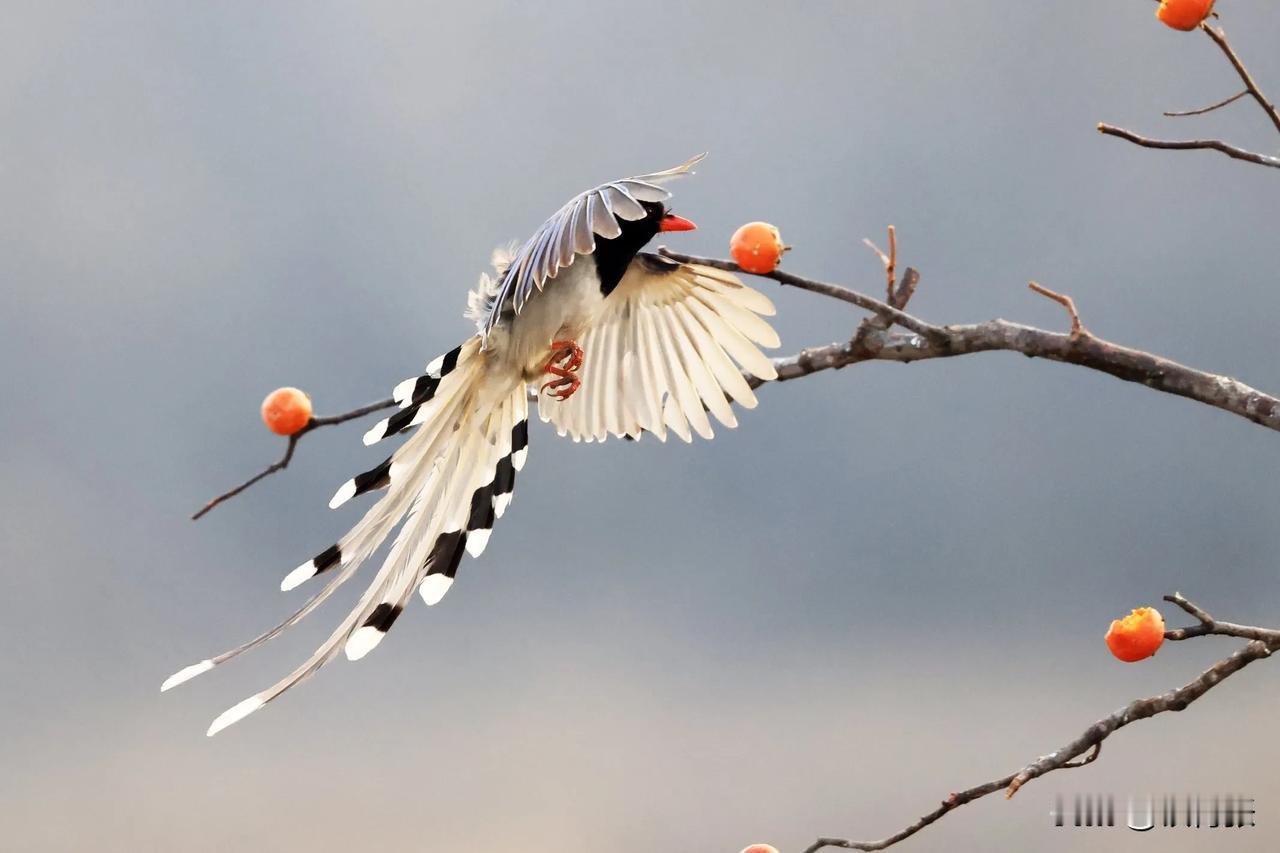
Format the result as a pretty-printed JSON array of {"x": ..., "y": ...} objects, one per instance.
[
  {"x": 663, "y": 353},
  {"x": 572, "y": 231}
]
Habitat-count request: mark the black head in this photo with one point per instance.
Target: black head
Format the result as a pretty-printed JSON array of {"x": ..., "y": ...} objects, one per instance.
[{"x": 614, "y": 254}]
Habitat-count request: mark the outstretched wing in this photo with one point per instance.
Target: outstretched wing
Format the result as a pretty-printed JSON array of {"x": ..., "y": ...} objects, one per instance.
[
  {"x": 663, "y": 354},
  {"x": 572, "y": 231}
]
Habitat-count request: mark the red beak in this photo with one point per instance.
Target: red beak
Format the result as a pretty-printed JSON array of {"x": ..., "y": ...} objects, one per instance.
[{"x": 671, "y": 222}]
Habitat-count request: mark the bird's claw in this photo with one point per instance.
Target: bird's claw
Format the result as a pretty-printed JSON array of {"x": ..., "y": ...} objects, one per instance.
[
  {"x": 567, "y": 351},
  {"x": 566, "y": 358}
]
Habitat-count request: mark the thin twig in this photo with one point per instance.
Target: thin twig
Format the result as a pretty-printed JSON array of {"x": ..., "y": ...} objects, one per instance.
[
  {"x": 1209, "y": 625},
  {"x": 835, "y": 291},
  {"x": 1201, "y": 615},
  {"x": 1077, "y": 328},
  {"x": 1220, "y": 39},
  {"x": 283, "y": 463},
  {"x": 1188, "y": 144},
  {"x": 1179, "y": 113},
  {"x": 1089, "y": 742},
  {"x": 890, "y": 262}
]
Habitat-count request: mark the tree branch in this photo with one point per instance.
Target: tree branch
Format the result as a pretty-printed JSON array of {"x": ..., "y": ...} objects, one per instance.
[
  {"x": 874, "y": 343},
  {"x": 1187, "y": 144},
  {"x": 1263, "y": 641},
  {"x": 283, "y": 463}
]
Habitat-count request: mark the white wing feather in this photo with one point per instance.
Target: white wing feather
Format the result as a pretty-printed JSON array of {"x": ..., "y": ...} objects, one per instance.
[{"x": 671, "y": 347}]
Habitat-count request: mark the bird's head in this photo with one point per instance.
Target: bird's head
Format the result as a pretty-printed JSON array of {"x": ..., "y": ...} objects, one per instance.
[{"x": 638, "y": 232}]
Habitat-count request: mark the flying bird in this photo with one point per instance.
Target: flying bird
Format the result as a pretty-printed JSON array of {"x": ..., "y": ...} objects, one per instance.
[{"x": 616, "y": 341}]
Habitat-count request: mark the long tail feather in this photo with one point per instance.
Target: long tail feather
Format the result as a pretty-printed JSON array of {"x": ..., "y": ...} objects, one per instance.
[
  {"x": 432, "y": 542},
  {"x": 447, "y": 483},
  {"x": 403, "y": 474}
]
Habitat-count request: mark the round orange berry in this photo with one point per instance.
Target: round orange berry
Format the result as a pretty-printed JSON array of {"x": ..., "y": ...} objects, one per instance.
[
  {"x": 286, "y": 410},
  {"x": 757, "y": 247},
  {"x": 1184, "y": 14},
  {"x": 1137, "y": 635}
]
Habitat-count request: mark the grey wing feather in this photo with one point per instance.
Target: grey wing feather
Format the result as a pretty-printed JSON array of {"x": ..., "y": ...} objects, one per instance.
[{"x": 572, "y": 230}]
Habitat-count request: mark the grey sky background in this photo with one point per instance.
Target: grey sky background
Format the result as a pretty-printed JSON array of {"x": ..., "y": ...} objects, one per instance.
[{"x": 887, "y": 584}]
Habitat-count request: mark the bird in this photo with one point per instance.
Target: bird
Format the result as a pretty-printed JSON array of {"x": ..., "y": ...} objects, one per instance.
[{"x": 612, "y": 341}]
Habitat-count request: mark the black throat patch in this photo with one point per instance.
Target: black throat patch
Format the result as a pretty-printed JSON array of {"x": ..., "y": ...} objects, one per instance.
[{"x": 614, "y": 254}]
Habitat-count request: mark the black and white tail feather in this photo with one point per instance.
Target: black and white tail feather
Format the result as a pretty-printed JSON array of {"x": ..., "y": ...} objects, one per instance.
[{"x": 452, "y": 478}]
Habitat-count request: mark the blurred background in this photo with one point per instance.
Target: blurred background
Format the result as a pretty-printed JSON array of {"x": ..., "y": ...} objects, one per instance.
[{"x": 889, "y": 583}]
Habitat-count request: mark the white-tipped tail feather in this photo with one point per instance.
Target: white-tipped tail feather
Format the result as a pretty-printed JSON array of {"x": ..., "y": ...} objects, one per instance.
[
  {"x": 449, "y": 479},
  {"x": 234, "y": 714},
  {"x": 186, "y": 674},
  {"x": 477, "y": 540},
  {"x": 434, "y": 587},
  {"x": 363, "y": 641},
  {"x": 345, "y": 492},
  {"x": 298, "y": 576},
  {"x": 403, "y": 393}
]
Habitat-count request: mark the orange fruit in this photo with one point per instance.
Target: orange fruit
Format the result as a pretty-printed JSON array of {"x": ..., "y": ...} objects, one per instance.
[
  {"x": 756, "y": 247},
  {"x": 286, "y": 410},
  {"x": 1184, "y": 14},
  {"x": 1137, "y": 635},
  {"x": 760, "y": 848}
]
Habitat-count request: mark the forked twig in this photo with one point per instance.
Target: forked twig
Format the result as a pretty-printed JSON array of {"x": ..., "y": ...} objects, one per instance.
[{"x": 1219, "y": 37}]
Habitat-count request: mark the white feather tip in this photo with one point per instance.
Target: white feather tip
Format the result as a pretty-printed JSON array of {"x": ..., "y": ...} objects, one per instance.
[
  {"x": 186, "y": 674},
  {"x": 434, "y": 587},
  {"x": 374, "y": 435},
  {"x": 362, "y": 642},
  {"x": 477, "y": 540},
  {"x": 235, "y": 714},
  {"x": 298, "y": 576},
  {"x": 345, "y": 492},
  {"x": 403, "y": 393}
]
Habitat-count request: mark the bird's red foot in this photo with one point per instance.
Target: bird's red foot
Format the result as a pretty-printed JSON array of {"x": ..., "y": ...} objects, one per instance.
[
  {"x": 568, "y": 352},
  {"x": 566, "y": 358}
]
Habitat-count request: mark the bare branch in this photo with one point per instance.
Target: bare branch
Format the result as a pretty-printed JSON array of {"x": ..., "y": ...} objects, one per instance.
[
  {"x": 1186, "y": 144},
  {"x": 1209, "y": 625},
  {"x": 899, "y": 297},
  {"x": 835, "y": 291},
  {"x": 283, "y": 463},
  {"x": 1250, "y": 88},
  {"x": 1219, "y": 105},
  {"x": 1085, "y": 350},
  {"x": 1264, "y": 642}
]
